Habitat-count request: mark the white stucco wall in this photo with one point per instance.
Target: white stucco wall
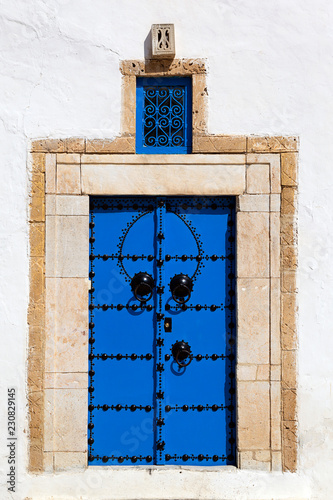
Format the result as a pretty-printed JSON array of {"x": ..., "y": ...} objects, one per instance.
[{"x": 270, "y": 72}]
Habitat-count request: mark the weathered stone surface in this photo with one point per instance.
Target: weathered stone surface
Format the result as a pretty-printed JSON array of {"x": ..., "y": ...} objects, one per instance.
[
  {"x": 289, "y": 257},
  {"x": 50, "y": 173},
  {"x": 258, "y": 179},
  {"x": 289, "y": 457},
  {"x": 38, "y": 162},
  {"x": 275, "y": 314},
  {"x": 67, "y": 324},
  {"x": 288, "y": 230},
  {"x": 289, "y": 369},
  {"x": 70, "y": 145},
  {"x": 253, "y": 416},
  {"x": 176, "y": 67},
  {"x": 128, "y": 116},
  {"x": 163, "y": 179},
  {"x": 37, "y": 239},
  {"x": 275, "y": 202},
  {"x": 275, "y": 394},
  {"x": 37, "y": 209},
  {"x": 276, "y": 461},
  {"x": 70, "y": 461},
  {"x": 248, "y": 460},
  {"x": 253, "y": 321},
  {"x": 37, "y": 279},
  {"x": 246, "y": 372},
  {"x": 289, "y": 169},
  {"x": 288, "y": 201},
  {"x": 117, "y": 145},
  {"x": 289, "y": 404},
  {"x": 253, "y": 203},
  {"x": 275, "y": 244},
  {"x": 71, "y": 158},
  {"x": 253, "y": 245},
  {"x": 143, "y": 160},
  {"x": 276, "y": 372},
  {"x": 288, "y": 321},
  {"x": 68, "y": 434},
  {"x": 76, "y": 380},
  {"x": 67, "y": 245},
  {"x": 263, "y": 372},
  {"x": 289, "y": 284},
  {"x": 68, "y": 179},
  {"x": 271, "y": 144},
  {"x": 72, "y": 205},
  {"x": 219, "y": 144},
  {"x": 199, "y": 104}
]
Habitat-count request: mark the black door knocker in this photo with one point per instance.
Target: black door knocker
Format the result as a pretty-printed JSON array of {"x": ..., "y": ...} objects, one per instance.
[
  {"x": 181, "y": 351},
  {"x": 142, "y": 285},
  {"x": 181, "y": 287}
]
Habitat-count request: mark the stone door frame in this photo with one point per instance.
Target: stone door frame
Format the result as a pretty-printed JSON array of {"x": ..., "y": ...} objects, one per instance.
[{"x": 262, "y": 173}]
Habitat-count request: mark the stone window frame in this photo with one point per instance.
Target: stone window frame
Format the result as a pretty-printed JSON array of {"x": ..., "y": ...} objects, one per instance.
[{"x": 262, "y": 173}]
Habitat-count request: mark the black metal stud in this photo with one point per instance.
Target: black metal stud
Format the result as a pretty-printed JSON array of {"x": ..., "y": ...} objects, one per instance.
[
  {"x": 118, "y": 407},
  {"x": 119, "y": 307},
  {"x": 91, "y": 425},
  {"x": 167, "y": 457},
  {"x": 185, "y": 408},
  {"x": 160, "y": 395},
  {"x": 185, "y": 458},
  {"x": 167, "y": 408},
  {"x": 91, "y": 389},
  {"x": 215, "y": 458},
  {"x": 184, "y": 258},
  {"x": 105, "y": 407},
  {"x": 104, "y": 307},
  {"x": 148, "y": 408},
  {"x": 200, "y": 407},
  {"x": 149, "y": 307},
  {"x": 215, "y": 407},
  {"x": 168, "y": 257},
  {"x": 198, "y": 357},
  {"x": 160, "y": 235},
  {"x": 214, "y": 357},
  {"x": 120, "y": 459},
  {"x": 105, "y": 257},
  {"x": 150, "y": 258},
  {"x": 119, "y": 357},
  {"x": 160, "y": 445},
  {"x": 198, "y": 307},
  {"x": 149, "y": 356},
  {"x": 134, "y": 357},
  {"x": 214, "y": 257},
  {"x": 200, "y": 457},
  {"x": 90, "y": 441},
  {"x": 149, "y": 458},
  {"x": 104, "y": 356},
  {"x": 91, "y": 407},
  {"x": 133, "y": 407},
  {"x": 213, "y": 307}
]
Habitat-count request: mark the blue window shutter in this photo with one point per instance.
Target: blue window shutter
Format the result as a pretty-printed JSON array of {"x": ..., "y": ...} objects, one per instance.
[{"x": 164, "y": 115}]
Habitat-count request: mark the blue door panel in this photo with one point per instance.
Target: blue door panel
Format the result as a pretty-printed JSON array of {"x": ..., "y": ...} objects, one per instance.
[
  {"x": 124, "y": 332},
  {"x": 124, "y": 435},
  {"x": 115, "y": 382},
  {"x": 162, "y": 331},
  {"x": 206, "y": 438}
]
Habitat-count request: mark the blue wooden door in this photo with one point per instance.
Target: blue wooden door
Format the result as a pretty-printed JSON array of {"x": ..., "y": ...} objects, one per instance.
[{"x": 162, "y": 331}]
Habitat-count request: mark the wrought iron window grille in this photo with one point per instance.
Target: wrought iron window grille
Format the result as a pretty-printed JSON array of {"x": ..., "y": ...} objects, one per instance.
[{"x": 164, "y": 115}]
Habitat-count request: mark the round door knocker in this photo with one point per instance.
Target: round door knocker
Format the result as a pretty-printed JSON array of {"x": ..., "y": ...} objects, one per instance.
[
  {"x": 181, "y": 351},
  {"x": 181, "y": 287},
  {"x": 142, "y": 285}
]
